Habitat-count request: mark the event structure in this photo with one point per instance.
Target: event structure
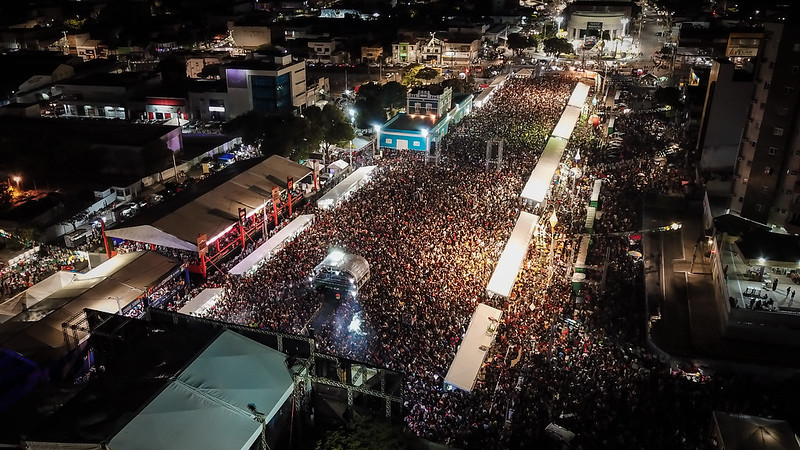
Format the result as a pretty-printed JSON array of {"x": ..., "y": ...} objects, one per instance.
[
  {"x": 221, "y": 220},
  {"x": 510, "y": 262},
  {"x": 341, "y": 271},
  {"x": 343, "y": 190},
  {"x": 468, "y": 361},
  {"x": 273, "y": 245}
]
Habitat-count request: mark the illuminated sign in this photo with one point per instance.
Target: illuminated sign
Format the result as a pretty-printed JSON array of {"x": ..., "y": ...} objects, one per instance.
[{"x": 216, "y": 108}]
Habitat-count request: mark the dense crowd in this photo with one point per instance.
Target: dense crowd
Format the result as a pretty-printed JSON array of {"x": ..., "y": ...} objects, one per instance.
[{"x": 432, "y": 235}]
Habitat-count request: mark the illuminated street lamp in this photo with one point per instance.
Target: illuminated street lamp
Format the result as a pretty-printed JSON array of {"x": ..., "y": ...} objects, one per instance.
[
  {"x": 17, "y": 179},
  {"x": 559, "y": 20}
]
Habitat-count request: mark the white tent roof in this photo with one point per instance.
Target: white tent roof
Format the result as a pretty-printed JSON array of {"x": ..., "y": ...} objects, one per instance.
[
  {"x": 743, "y": 432},
  {"x": 341, "y": 190},
  {"x": 567, "y": 122},
  {"x": 471, "y": 353},
  {"x": 151, "y": 235},
  {"x": 579, "y": 94},
  {"x": 206, "y": 406},
  {"x": 202, "y": 301},
  {"x": 266, "y": 249},
  {"x": 538, "y": 184},
  {"x": 505, "y": 274},
  {"x": 339, "y": 164}
]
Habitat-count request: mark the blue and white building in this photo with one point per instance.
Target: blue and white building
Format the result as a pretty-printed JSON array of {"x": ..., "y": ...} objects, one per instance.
[{"x": 430, "y": 110}]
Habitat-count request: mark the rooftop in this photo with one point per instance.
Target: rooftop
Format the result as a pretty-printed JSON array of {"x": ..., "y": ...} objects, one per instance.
[
  {"x": 125, "y": 79},
  {"x": 411, "y": 122},
  {"x": 107, "y": 132}
]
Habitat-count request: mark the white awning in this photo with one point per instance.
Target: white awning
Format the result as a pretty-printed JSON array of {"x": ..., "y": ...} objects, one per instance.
[
  {"x": 343, "y": 189},
  {"x": 567, "y": 122},
  {"x": 265, "y": 250},
  {"x": 204, "y": 300},
  {"x": 579, "y": 94},
  {"x": 151, "y": 235},
  {"x": 505, "y": 274},
  {"x": 538, "y": 184},
  {"x": 472, "y": 351}
]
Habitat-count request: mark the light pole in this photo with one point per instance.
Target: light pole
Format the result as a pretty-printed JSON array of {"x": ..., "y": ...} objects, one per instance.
[
  {"x": 17, "y": 179},
  {"x": 377, "y": 129},
  {"x": 553, "y": 223},
  {"x": 559, "y": 19}
]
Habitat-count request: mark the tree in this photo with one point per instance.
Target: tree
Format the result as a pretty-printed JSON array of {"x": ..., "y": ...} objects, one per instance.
[
  {"x": 410, "y": 74},
  {"x": 393, "y": 95},
  {"x": 427, "y": 73},
  {"x": 669, "y": 96},
  {"x": 464, "y": 86},
  {"x": 370, "y": 111},
  {"x": 557, "y": 46},
  {"x": 332, "y": 124},
  {"x": 518, "y": 42}
]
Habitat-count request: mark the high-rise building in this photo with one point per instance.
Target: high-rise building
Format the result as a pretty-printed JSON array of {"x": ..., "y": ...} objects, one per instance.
[{"x": 766, "y": 185}]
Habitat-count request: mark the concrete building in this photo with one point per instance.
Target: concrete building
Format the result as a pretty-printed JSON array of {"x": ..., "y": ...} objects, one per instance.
[
  {"x": 250, "y": 37},
  {"x": 601, "y": 19},
  {"x": 724, "y": 116},
  {"x": 766, "y": 186},
  {"x": 371, "y": 53},
  {"x": 405, "y": 51},
  {"x": 269, "y": 82},
  {"x": 104, "y": 95}
]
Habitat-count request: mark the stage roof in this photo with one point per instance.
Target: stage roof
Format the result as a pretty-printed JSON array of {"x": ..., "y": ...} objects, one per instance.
[
  {"x": 355, "y": 265},
  {"x": 538, "y": 184},
  {"x": 218, "y": 209},
  {"x": 345, "y": 187},
  {"x": 505, "y": 274},
  {"x": 210, "y": 398},
  {"x": 37, "y": 334},
  {"x": 274, "y": 243},
  {"x": 743, "y": 432},
  {"x": 473, "y": 348}
]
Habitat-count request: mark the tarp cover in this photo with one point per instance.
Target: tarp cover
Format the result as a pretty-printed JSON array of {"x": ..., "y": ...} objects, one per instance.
[
  {"x": 206, "y": 406},
  {"x": 579, "y": 95},
  {"x": 505, "y": 274},
  {"x": 341, "y": 190},
  {"x": 473, "y": 348},
  {"x": 266, "y": 249},
  {"x": 201, "y": 301},
  {"x": 536, "y": 188},
  {"x": 566, "y": 123},
  {"x": 150, "y": 235},
  {"x": 743, "y": 432}
]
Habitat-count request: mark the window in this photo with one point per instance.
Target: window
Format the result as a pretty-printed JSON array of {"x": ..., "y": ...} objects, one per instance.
[
  {"x": 765, "y": 189},
  {"x": 782, "y": 111},
  {"x": 777, "y": 131},
  {"x": 759, "y": 207},
  {"x": 768, "y": 170},
  {"x": 788, "y": 89},
  {"x": 773, "y": 150}
]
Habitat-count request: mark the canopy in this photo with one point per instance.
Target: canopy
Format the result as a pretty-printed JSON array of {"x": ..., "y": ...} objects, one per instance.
[
  {"x": 567, "y": 122},
  {"x": 345, "y": 188},
  {"x": 538, "y": 184},
  {"x": 579, "y": 95},
  {"x": 338, "y": 165},
  {"x": 204, "y": 300},
  {"x": 743, "y": 432},
  {"x": 583, "y": 251},
  {"x": 339, "y": 261},
  {"x": 472, "y": 351},
  {"x": 150, "y": 235},
  {"x": 206, "y": 406},
  {"x": 275, "y": 243},
  {"x": 505, "y": 274}
]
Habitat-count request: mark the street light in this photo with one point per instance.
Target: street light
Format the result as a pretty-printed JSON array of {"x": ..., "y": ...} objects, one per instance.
[
  {"x": 17, "y": 179},
  {"x": 559, "y": 19},
  {"x": 377, "y": 129},
  {"x": 624, "y": 21}
]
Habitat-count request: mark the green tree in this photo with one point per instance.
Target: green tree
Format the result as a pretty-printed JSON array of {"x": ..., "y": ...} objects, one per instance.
[
  {"x": 518, "y": 42},
  {"x": 557, "y": 46},
  {"x": 369, "y": 111},
  {"x": 410, "y": 74},
  {"x": 393, "y": 95},
  {"x": 427, "y": 73},
  {"x": 464, "y": 86},
  {"x": 333, "y": 125}
]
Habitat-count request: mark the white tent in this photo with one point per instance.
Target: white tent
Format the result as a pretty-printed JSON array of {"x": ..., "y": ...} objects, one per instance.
[
  {"x": 347, "y": 186},
  {"x": 151, "y": 235},
  {"x": 202, "y": 301},
  {"x": 743, "y": 432},
  {"x": 538, "y": 184},
  {"x": 505, "y": 274},
  {"x": 273, "y": 244},
  {"x": 579, "y": 95},
  {"x": 567, "y": 122},
  {"x": 472, "y": 351},
  {"x": 206, "y": 406}
]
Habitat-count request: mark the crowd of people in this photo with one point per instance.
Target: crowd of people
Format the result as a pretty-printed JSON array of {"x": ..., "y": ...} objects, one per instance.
[{"x": 432, "y": 234}]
